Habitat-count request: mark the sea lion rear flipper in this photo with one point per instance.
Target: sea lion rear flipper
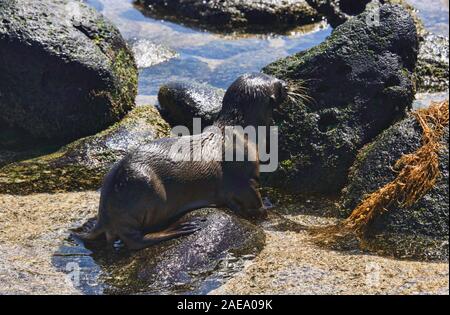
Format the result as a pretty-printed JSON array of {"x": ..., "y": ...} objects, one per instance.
[{"x": 135, "y": 241}]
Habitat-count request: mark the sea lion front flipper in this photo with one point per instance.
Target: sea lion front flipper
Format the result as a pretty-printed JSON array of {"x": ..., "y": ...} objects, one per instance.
[
  {"x": 136, "y": 241},
  {"x": 96, "y": 233},
  {"x": 238, "y": 208}
]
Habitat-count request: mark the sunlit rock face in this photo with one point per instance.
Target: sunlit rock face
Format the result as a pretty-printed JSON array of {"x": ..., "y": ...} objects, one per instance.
[{"x": 65, "y": 72}]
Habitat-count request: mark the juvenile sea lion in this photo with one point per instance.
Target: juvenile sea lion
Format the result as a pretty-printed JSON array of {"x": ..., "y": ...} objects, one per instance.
[{"x": 146, "y": 193}]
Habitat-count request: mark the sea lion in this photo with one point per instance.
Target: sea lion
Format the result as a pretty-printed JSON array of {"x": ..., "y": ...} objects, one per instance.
[{"x": 147, "y": 192}]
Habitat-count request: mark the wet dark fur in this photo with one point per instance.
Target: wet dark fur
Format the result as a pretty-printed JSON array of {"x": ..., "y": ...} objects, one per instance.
[{"x": 147, "y": 192}]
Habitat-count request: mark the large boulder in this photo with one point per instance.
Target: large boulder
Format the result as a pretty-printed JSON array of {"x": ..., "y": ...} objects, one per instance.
[
  {"x": 354, "y": 85},
  {"x": 65, "y": 71},
  {"x": 234, "y": 15},
  {"x": 181, "y": 101},
  {"x": 82, "y": 164},
  {"x": 424, "y": 227},
  {"x": 432, "y": 65}
]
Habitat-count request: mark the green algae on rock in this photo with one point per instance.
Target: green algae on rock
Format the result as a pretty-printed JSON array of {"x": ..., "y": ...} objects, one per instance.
[
  {"x": 65, "y": 72},
  {"x": 357, "y": 83},
  {"x": 82, "y": 164},
  {"x": 234, "y": 16}
]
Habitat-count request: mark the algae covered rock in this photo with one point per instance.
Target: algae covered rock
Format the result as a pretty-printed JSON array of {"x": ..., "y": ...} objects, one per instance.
[
  {"x": 65, "y": 71},
  {"x": 182, "y": 101},
  {"x": 357, "y": 83},
  {"x": 234, "y": 15},
  {"x": 431, "y": 73},
  {"x": 420, "y": 230},
  {"x": 82, "y": 164}
]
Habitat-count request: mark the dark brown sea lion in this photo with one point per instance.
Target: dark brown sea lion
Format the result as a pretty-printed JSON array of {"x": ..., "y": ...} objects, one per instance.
[{"x": 146, "y": 193}]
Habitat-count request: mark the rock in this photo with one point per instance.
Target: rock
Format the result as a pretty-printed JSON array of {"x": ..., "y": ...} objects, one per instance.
[
  {"x": 148, "y": 54},
  {"x": 65, "y": 71},
  {"x": 253, "y": 16},
  {"x": 196, "y": 263},
  {"x": 423, "y": 229},
  {"x": 432, "y": 65},
  {"x": 82, "y": 164},
  {"x": 357, "y": 83},
  {"x": 181, "y": 101},
  {"x": 339, "y": 11},
  {"x": 16, "y": 146}
]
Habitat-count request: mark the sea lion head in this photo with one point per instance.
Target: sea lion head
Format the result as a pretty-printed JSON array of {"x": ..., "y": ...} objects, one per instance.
[{"x": 251, "y": 99}]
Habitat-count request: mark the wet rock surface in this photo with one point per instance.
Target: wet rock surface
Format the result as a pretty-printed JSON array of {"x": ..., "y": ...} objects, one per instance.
[
  {"x": 418, "y": 231},
  {"x": 82, "y": 164},
  {"x": 354, "y": 85},
  {"x": 182, "y": 101},
  {"x": 234, "y": 15},
  {"x": 65, "y": 71},
  {"x": 196, "y": 263},
  {"x": 148, "y": 54}
]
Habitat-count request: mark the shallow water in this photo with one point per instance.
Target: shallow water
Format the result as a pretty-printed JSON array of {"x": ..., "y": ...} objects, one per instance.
[
  {"x": 176, "y": 52},
  {"x": 434, "y": 14},
  {"x": 200, "y": 55}
]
